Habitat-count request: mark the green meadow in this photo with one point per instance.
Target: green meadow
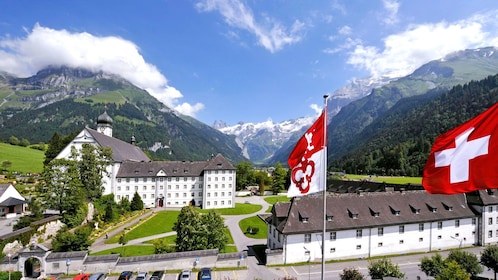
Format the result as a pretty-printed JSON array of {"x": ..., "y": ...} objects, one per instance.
[{"x": 22, "y": 159}]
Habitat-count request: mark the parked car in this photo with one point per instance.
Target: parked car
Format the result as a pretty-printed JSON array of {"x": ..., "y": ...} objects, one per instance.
[
  {"x": 141, "y": 276},
  {"x": 184, "y": 275},
  {"x": 82, "y": 276},
  {"x": 125, "y": 275},
  {"x": 204, "y": 274},
  {"x": 157, "y": 275},
  {"x": 98, "y": 276}
]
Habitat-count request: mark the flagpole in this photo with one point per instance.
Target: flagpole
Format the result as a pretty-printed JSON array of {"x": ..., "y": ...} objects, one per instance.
[{"x": 325, "y": 97}]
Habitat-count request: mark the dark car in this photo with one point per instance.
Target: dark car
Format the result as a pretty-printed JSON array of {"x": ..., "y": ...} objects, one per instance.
[
  {"x": 204, "y": 274},
  {"x": 157, "y": 275},
  {"x": 98, "y": 276},
  {"x": 125, "y": 275}
]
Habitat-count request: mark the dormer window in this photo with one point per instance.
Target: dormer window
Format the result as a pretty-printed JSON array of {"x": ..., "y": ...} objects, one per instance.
[
  {"x": 414, "y": 209},
  {"x": 352, "y": 214},
  {"x": 374, "y": 212},
  {"x": 395, "y": 211},
  {"x": 304, "y": 220},
  {"x": 329, "y": 218}
]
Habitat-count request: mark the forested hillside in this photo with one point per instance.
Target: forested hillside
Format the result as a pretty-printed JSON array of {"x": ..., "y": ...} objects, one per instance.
[{"x": 399, "y": 142}]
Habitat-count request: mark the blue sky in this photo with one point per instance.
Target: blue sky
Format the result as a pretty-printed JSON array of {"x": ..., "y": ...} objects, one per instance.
[{"x": 235, "y": 60}]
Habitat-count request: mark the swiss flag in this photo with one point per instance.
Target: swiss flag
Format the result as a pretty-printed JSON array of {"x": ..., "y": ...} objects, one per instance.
[
  {"x": 307, "y": 160},
  {"x": 465, "y": 158}
]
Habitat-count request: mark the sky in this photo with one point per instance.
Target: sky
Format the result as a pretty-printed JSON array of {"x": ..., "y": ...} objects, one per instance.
[{"x": 241, "y": 60}]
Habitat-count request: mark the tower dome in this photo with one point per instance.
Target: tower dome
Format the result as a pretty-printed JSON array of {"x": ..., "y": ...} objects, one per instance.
[{"x": 104, "y": 119}]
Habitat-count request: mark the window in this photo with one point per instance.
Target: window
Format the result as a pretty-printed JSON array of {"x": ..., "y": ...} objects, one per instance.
[
  {"x": 145, "y": 188},
  {"x": 420, "y": 239},
  {"x": 380, "y": 231},
  {"x": 333, "y": 235},
  {"x": 490, "y": 234},
  {"x": 119, "y": 188},
  {"x": 420, "y": 227},
  {"x": 439, "y": 225},
  {"x": 490, "y": 221},
  {"x": 490, "y": 208},
  {"x": 457, "y": 223},
  {"x": 332, "y": 250},
  {"x": 304, "y": 219},
  {"x": 473, "y": 221},
  {"x": 358, "y": 247},
  {"x": 144, "y": 196},
  {"x": 380, "y": 244},
  {"x": 401, "y": 229},
  {"x": 307, "y": 238},
  {"x": 401, "y": 242},
  {"x": 359, "y": 233},
  {"x": 119, "y": 180},
  {"x": 136, "y": 180},
  {"x": 439, "y": 237},
  {"x": 127, "y": 188}
]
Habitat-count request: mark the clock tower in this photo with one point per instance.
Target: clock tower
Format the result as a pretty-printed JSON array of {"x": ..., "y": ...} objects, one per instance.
[{"x": 104, "y": 124}]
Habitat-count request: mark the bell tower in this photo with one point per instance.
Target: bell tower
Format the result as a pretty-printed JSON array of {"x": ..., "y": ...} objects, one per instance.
[{"x": 104, "y": 124}]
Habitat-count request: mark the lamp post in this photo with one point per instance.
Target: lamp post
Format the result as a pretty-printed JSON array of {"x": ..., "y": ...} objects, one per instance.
[
  {"x": 9, "y": 256},
  {"x": 308, "y": 254}
]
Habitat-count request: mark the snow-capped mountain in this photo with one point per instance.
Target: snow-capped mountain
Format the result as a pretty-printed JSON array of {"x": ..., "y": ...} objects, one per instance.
[
  {"x": 259, "y": 141},
  {"x": 356, "y": 89}
]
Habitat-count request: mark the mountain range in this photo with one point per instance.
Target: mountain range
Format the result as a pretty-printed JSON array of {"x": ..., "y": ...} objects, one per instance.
[
  {"x": 354, "y": 107},
  {"x": 64, "y": 100}
]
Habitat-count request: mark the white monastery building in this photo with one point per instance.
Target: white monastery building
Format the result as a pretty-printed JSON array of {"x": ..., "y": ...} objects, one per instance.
[
  {"x": 208, "y": 184},
  {"x": 363, "y": 225}
]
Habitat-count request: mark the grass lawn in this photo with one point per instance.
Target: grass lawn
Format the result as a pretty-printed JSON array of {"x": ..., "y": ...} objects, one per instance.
[
  {"x": 240, "y": 209},
  {"x": 254, "y": 222},
  {"x": 128, "y": 251},
  {"x": 22, "y": 159},
  {"x": 165, "y": 219},
  {"x": 277, "y": 198},
  {"x": 387, "y": 179}
]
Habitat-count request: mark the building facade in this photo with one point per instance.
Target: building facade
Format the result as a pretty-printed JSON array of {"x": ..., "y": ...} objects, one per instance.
[
  {"x": 208, "y": 184},
  {"x": 377, "y": 224}
]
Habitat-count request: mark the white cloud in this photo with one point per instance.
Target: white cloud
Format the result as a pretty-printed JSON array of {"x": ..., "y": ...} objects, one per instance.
[
  {"x": 44, "y": 46},
  {"x": 391, "y": 7},
  {"x": 270, "y": 33},
  {"x": 402, "y": 53}
]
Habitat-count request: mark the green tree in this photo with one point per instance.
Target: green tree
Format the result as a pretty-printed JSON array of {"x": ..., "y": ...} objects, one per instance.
[
  {"x": 6, "y": 164},
  {"x": 384, "y": 268},
  {"x": 136, "y": 202},
  {"x": 262, "y": 180},
  {"x": 279, "y": 179},
  {"x": 215, "y": 230},
  {"x": 14, "y": 140},
  {"x": 452, "y": 271},
  {"x": 61, "y": 187},
  {"x": 92, "y": 162},
  {"x": 124, "y": 205},
  {"x": 245, "y": 175},
  {"x": 187, "y": 227},
  {"x": 468, "y": 261},
  {"x": 489, "y": 258},
  {"x": 65, "y": 241},
  {"x": 161, "y": 247},
  {"x": 432, "y": 266},
  {"x": 24, "y": 142},
  {"x": 351, "y": 273}
]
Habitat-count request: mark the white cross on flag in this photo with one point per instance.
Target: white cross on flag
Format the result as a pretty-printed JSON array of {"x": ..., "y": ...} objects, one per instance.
[
  {"x": 465, "y": 158},
  {"x": 307, "y": 160}
]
